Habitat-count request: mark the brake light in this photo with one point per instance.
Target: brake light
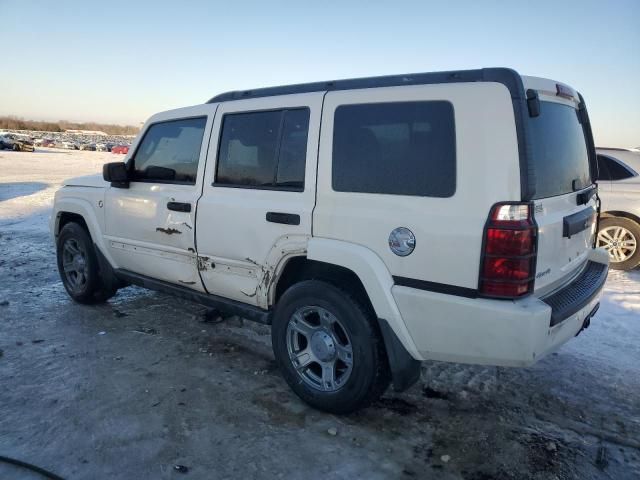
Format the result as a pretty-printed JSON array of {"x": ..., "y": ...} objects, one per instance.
[
  {"x": 564, "y": 91},
  {"x": 509, "y": 255}
]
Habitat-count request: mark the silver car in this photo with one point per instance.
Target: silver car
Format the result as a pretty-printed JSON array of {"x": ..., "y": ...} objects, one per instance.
[{"x": 619, "y": 190}]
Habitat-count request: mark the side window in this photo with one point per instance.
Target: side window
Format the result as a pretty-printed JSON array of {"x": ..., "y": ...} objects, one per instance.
[
  {"x": 401, "y": 148},
  {"x": 169, "y": 152},
  {"x": 612, "y": 170},
  {"x": 264, "y": 149}
]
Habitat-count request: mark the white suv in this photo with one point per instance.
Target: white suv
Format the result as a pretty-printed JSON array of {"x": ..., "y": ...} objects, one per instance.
[{"x": 373, "y": 222}]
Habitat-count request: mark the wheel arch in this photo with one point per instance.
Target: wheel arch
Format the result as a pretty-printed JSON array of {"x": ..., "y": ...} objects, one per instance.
[
  {"x": 68, "y": 217},
  {"x": 620, "y": 213},
  {"x": 79, "y": 210},
  {"x": 361, "y": 272}
]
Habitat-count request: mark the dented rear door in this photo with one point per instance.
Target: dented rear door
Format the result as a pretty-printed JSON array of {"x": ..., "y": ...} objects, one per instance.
[{"x": 258, "y": 194}]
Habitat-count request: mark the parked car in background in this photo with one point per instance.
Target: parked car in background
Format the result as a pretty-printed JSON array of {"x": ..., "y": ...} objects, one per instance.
[
  {"x": 619, "y": 190},
  {"x": 123, "y": 149},
  {"x": 16, "y": 142},
  {"x": 67, "y": 145},
  {"x": 88, "y": 146},
  {"x": 44, "y": 142}
]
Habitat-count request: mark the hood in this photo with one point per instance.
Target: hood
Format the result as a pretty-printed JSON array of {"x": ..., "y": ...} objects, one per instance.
[{"x": 95, "y": 181}]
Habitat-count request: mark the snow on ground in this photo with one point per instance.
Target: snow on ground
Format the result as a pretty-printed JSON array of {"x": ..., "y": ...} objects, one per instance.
[
  {"x": 29, "y": 181},
  {"x": 132, "y": 387}
]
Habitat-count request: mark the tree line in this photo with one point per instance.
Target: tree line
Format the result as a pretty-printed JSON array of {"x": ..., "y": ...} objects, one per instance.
[{"x": 15, "y": 123}]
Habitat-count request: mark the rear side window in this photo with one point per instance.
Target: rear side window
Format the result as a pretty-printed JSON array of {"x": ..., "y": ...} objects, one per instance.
[
  {"x": 170, "y": 151},
  {"x": 402, "y": 148},
  {"x": 264, "y": 149},
  {"x": 559, "y": 151},
  {"x": 610, "y": 169}
]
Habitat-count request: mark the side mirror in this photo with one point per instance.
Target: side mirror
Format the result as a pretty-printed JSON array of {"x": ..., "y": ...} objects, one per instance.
[{"x": 116, "y": 173}]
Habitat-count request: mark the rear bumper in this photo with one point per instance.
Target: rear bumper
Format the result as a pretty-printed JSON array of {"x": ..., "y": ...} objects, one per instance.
[
  {"x": 500, "y": 332},
  {"x": 579, "y": 293}
]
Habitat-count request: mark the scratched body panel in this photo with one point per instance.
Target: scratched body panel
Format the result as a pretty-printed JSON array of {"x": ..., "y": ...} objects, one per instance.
[
  {"x": 249, "y": 280},
  {"x": 147, "y": 238}
]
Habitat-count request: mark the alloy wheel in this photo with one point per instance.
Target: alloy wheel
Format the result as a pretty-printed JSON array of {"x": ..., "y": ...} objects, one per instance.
[
  {"x": 618, "y": 241},
  {"x": 74, "y": 265},
  {"x": 319, "y": 348}
]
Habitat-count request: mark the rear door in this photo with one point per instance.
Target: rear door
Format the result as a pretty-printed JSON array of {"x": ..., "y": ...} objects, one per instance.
[
  {"x": 259, "y": 192},
  {"x": 566, "y": 225}
]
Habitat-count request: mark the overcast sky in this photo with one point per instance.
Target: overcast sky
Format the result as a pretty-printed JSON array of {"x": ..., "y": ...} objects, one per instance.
[{"x": 121, "y": 61}]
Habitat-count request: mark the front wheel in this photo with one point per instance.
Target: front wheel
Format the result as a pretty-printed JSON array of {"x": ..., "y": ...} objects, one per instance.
[
  {"x": 329, "y": 348},
  {"x": 620, "y": 237},
  {"x": 78, "y": 266},
  {"x": 16, "y": 147}
]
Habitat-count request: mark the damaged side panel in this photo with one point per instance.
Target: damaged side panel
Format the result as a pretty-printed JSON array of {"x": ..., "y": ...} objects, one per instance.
[
  {"x": 173, "y": 266},
  {"x": 249, "y": 280},
  {"x": 161, "y": 243}
]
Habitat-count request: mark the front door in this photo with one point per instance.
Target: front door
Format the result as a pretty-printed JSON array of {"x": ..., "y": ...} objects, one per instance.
[
  {"x": 150, "y": 225},
  {"x": 259, "y": 194}
]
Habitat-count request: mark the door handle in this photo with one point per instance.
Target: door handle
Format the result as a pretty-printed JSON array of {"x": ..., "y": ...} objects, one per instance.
[
  {"x": 285, "y": 218},
  {"x": 179, "y": 206}
]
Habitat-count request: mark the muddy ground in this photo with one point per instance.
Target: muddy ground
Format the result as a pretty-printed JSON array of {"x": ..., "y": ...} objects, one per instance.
[{"x": 128, "y": 389}]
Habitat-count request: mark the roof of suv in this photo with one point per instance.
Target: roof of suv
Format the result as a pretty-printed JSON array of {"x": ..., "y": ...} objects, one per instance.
[{"x": 508, "y": 77}]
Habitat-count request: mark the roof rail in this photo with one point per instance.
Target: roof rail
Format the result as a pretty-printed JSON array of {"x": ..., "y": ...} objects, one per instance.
[
  {"x": 617, "y": 148},
  {"x": 510, "y": 78}
]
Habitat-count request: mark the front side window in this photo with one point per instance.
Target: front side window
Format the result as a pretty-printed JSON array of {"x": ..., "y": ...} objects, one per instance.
[
  {"x": 264, "y": 149},
  {"x": 402, "y": 148},
  {"x": 170, "y": 151}
]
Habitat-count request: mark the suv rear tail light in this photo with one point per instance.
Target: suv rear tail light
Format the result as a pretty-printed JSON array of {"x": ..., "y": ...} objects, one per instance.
[{"x": 509, "y": 253}]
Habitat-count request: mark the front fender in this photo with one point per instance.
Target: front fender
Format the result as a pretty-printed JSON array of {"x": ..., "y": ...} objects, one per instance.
[{"x": 89, "y": 208}]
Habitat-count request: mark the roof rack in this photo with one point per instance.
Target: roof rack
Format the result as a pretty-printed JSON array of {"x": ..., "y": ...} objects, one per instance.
[{"x": 510, "y": 78}]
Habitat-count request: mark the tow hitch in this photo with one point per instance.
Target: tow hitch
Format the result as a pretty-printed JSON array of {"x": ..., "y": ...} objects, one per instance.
[{"x": 587, "y": 319}]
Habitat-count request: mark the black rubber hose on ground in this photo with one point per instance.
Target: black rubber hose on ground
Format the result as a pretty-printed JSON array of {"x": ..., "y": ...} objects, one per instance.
[{"x": 34, "y": 468}]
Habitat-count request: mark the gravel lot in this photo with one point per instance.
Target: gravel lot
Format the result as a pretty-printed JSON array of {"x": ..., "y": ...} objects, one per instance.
[{"x": 133, "y": 387}]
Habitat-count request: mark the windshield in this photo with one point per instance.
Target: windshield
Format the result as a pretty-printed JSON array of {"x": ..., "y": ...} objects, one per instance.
[{"x": 559, "y": 151}]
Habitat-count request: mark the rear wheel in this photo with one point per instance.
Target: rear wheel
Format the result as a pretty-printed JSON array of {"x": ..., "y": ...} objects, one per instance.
[
  {"x": 16, "y": 147},
  {"x": 620, "y": 237},
  {"x": 329, "y": 348},
  {"x": 78, "y": 266}
]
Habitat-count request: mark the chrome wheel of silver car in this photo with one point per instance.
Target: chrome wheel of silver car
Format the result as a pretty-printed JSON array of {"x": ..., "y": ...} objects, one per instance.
[
  {"x": 618, "y": 241},
  {"x": 74, "y": 264},
  {"x": 319, "y": 348}
]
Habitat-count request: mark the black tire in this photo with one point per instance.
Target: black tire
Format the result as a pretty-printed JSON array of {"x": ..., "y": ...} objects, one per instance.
[
  {"x": 369, "y": 375},
  {"x": 16, "y": 147},
  {"x": 91, "y": 290},
  {"x": 634, "y": 231}
]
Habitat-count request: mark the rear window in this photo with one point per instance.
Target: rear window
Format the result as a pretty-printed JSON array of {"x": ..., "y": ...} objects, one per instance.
[
  {"x": 559, "y": 151},
  {"x": 402, "y": 148}
]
